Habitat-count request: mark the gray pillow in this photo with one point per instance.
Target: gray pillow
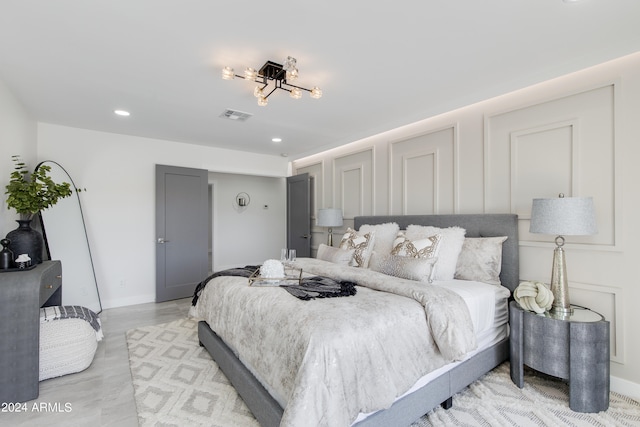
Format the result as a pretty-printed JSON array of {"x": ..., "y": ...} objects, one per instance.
[
  {"x": 419, "y": 269},
  {"x": 481, "y": 259},
  {"x": 334, "y": 255}
]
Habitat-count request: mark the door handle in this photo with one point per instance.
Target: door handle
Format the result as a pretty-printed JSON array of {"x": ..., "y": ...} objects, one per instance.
[
  {"x": 161, "y": 240},
  {"x": 305, "y": 236}
]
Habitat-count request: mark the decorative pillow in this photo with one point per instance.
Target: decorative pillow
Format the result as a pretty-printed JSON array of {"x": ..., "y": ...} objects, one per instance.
[
  {"x": 419, "y": 269},
  {"x": 385, "y": 235},
  {"x": 335, "y": 255},
  {"x": 362, "y": 243},
  {"x": 481, "y": 259},
  {"x": 422, "y": 248},
  {"x": 450, "y": 246}
]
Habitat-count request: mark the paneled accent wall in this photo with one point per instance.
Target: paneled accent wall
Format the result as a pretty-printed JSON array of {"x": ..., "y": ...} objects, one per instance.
[{"x": 576, "y": 135}]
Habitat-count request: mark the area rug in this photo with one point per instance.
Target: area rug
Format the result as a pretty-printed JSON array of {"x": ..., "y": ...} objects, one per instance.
[{"x": 177, "y": 384}]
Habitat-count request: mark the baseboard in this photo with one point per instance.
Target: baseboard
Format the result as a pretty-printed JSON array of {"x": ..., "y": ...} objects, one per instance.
[
  {"x": 123, "y": 302},
  {"x": 625, "y": 387}
]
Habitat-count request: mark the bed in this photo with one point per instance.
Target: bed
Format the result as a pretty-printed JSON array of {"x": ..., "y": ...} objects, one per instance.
[{"x": 428, "y": 390}]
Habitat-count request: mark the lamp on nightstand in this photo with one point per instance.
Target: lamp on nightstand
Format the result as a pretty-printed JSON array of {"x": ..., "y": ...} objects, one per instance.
[
  {"x": 562, "y": 216},
  {"x": 329, "y": 218}
]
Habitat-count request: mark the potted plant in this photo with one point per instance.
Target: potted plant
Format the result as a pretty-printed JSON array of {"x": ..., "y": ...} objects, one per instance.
[{"x": 29, "y": 193}]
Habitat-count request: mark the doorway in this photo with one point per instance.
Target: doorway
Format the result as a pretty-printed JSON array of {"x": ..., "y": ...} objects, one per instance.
[{"x": 182, "y": 216}]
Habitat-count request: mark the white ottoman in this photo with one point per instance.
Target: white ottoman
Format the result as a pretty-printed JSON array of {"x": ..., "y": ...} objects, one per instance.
[{"x": 67, "y": 345}]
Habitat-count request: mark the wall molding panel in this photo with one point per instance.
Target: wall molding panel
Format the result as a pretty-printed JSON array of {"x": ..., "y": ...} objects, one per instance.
[
  {"x": 563, "y": 145},
  {"x": 608, "y": 301},
  {"x": 353, "y": 177},
  {"x": 422, "y": 173}
]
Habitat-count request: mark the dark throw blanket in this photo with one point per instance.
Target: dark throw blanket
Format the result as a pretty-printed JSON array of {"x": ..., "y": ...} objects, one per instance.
[{"x": 308, "y": 289}]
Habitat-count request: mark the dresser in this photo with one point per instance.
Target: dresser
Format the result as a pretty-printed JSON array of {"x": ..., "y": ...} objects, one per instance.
[{"x": 22, "y": 293}]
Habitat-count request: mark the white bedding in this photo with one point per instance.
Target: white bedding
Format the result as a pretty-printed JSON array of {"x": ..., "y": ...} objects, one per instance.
[
  {"x": 487, "y": 304},
  {"x": 291, "y": 363}
]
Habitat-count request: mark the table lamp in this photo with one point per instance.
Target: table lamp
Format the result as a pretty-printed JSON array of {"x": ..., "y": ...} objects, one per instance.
[
  {"x": 329, "y": 218},
  {"x": 562, "y": 216}
]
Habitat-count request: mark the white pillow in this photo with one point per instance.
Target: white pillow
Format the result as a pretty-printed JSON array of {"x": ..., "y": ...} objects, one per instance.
[
  {"x": 422, "y": 248},
  {"x": 481, "y": 259},
  {"x": 385, "y": 235},
  {"x": 363, "y": 245},
  {"x": 450, "y": 246},
  {"x": 335, "y": 255},
  {"x": 419, "y": 269}
]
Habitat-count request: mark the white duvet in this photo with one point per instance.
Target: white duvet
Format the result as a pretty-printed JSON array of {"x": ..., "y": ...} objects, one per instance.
[{"x": 327, "y": 360}]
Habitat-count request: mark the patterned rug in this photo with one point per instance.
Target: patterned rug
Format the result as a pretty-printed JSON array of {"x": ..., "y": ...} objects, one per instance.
[{"x": 177, "y": 384}]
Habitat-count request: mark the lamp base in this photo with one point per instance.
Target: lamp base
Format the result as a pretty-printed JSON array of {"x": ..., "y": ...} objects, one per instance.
[
  {"x": 330, "y": 240},
  {"x": 559, "y": 283}
]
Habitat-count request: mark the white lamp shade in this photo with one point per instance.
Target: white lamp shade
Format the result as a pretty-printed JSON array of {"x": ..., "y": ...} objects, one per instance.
[
  {"x": 566, "y": 216},
  {"x": 329, "y": 218}
]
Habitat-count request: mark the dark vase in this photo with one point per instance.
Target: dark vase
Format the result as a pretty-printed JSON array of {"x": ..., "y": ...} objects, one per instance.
[
  {"x": 6, "y": 256},
  {"x": 26, "y": 240}
]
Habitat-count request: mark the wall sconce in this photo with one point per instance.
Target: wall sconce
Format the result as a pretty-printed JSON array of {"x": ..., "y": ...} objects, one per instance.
[
  {"x": 329, "y": 218},
  {"x": 562, "y": 216},
  {"x": 243, "y": 200}
]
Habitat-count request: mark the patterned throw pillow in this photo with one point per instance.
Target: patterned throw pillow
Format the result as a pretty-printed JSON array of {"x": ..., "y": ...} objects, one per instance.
[
  {"x": 362, "y": 243},
  {"x": 422, "y": 248},
  {"x": 450, "y": 246}
]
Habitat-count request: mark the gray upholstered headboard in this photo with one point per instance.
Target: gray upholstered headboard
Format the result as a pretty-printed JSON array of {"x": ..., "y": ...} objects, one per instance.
[{"x": 477, "y": 225}]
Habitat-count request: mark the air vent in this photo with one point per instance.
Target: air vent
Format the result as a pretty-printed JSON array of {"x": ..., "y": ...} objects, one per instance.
[{"x": 238, "y": 116}]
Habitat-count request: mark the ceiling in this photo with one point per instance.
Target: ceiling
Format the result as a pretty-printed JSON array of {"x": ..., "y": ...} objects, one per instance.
[{"x": 380, "y": 64}]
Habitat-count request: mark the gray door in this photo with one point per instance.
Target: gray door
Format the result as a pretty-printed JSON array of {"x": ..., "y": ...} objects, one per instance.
[
  {"x": 299, "y": 214},
  {"x": 182, "y": 228}
]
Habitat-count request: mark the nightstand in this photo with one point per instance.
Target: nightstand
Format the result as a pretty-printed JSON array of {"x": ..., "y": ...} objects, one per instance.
[
  {"x": 574, "y": 348},
  {"x": 22, "y": 293}
]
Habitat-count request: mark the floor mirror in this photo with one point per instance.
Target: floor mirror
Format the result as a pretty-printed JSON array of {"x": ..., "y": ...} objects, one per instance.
[{"x": 65, "y": 239}]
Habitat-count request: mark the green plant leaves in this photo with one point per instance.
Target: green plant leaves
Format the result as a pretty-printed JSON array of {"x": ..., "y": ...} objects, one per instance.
[{"x": 28, "y": 193}]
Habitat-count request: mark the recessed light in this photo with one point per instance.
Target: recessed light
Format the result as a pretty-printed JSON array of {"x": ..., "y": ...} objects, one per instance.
[
  {"x": 276, "y": 139},
  {"x": 122, "y": 113}
]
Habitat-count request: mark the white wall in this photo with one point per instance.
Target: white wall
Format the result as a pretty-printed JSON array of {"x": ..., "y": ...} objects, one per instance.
[
  {"x": 118, "y": 172},
  {"x": 247, "y": 235},
  {"x": 578, "y": 134},
  {"x": 17, "y": 137}
]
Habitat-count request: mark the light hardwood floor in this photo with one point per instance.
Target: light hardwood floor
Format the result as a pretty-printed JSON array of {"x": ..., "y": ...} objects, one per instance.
[{"x": 101, "y": 395}]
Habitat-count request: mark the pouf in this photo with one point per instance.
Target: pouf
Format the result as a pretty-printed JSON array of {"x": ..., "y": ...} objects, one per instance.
[{"x": 68, "y": 341}]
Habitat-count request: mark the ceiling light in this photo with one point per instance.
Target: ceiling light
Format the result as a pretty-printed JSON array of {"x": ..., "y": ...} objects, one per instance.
[
  {"x": 295, "y": 93},
  {"x": 227, "y": 73},
  {"x": 281, "y": 76},
  {"x": 276, "y": 139},
  {"x": 122, "y": 113},
  {"x": 250, "y": 74},
  {"x": 316, "y": 93}
]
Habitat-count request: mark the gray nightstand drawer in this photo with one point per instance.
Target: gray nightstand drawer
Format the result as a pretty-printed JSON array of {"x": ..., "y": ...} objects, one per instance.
[{"x": 50, "y": 282}]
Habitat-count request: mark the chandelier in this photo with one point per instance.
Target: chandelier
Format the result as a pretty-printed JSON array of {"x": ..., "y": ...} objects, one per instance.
[{"x": 282, "y": 77}]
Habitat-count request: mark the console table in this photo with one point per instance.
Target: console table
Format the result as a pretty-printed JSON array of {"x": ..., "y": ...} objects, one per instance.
[
  {"x": 573, "y": 347},
  {"x": 22, "y": 293}
]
